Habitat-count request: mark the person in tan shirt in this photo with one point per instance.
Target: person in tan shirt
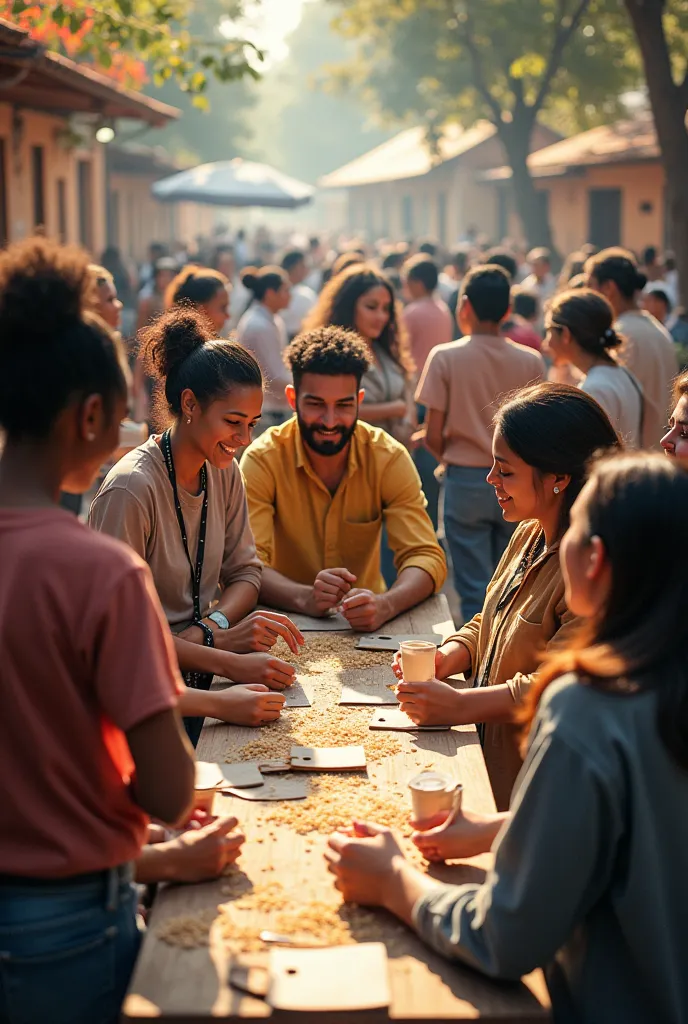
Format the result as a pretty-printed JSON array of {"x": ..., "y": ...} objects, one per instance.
[
  {"x": 649, "y": 351},
  {"x": 461, "y": 386},
  {"x": 544, "y": 437},
  {"x": 178, "y": 500}
]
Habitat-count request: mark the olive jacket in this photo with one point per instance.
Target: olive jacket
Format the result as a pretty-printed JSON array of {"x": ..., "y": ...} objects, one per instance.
[{"x": 523, "y": 617}]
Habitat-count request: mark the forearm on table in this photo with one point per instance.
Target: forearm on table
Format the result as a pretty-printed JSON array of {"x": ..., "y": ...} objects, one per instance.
[
  {"x": 457, "y": 659},
  {"x": 155, "y": 864},
  {"x": 278, "y": 591},
  {"x": 237, "y": 600},
  {"x": 404, "y": 887},
  {"x": 486, "y": 704},
  {"x": 411, "y": 586},
  {"x": 195, "y": 657}
]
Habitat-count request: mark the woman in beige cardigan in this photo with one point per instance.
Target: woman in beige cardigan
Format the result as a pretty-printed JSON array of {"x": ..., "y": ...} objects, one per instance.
[{"x": 544, "y": 437}]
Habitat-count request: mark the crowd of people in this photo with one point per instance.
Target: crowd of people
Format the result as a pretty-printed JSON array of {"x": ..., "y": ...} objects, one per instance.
[{"x": 314, "y": 432}]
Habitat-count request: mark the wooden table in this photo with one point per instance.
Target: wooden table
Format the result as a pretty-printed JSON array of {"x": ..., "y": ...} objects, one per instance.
[{"x": 191, "y": 985}]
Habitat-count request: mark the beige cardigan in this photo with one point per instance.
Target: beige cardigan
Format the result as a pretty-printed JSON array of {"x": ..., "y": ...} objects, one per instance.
[{"x": 508, "y": 643}]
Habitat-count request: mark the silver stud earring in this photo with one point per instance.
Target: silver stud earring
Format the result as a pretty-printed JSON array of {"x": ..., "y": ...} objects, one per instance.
[
  {"x": 188, "y": 420},
  {"x": 556, "y": 490}
]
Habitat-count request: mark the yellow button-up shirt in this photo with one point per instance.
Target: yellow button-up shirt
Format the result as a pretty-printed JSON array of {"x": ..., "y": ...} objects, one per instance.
[{"x": 300, "y": 528}]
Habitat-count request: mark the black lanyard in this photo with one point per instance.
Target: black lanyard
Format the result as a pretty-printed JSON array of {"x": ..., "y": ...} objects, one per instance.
[{"x": 197, "y": 571}]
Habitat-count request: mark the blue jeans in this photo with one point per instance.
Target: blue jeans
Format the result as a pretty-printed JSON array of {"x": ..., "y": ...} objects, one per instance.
[
  {"x": 67, "y": 949},
  {"x": 475, "y": 533},
  {"x": 426, "y": 464}
]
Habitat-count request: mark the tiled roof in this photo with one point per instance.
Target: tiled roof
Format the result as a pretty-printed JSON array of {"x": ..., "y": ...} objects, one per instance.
[
  {"x": 407, "y": 155},
  {"x": 632, "y": 139},
  {"x": 54, "y": 82}
]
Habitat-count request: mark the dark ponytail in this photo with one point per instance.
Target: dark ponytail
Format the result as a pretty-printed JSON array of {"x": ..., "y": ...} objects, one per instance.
[
  {"x": 180, "y": 354},
  {"x": 52, "y": 349},
  {"x": 555, "y": 428},
  {"x": 194, "y": 286},
  {"x": 264, "y": 280},
  {"x": 589, "y": 317}
]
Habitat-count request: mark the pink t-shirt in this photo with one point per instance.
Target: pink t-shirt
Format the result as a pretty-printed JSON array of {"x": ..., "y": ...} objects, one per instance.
[
  {"x": 466, "y": 380},
  {"x": 429, "y": 323},
  {"x": 85, "y": 655}
]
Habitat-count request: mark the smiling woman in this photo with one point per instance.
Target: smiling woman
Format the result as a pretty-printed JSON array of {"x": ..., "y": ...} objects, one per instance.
[
  {"x": 179, "y": 501},
  {"x": 545, "y": 436}
]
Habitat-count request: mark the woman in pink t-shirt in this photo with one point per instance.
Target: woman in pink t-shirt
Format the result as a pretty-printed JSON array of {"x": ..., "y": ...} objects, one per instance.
[{"x": 90, "y": 741}]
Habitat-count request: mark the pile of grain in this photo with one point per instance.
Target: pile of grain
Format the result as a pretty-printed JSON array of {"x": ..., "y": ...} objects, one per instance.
[
  {"x": 320, "y": 665},
  {"x": 338, "y": 799},
  {"x": 320, "y": 922}
]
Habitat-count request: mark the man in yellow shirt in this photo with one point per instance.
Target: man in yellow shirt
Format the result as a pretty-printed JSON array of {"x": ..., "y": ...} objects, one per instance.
[{"x": 320, "y": 487}]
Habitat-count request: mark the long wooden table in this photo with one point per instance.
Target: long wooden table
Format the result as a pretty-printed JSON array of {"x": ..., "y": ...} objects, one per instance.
[{"x": 192, "y": 985}]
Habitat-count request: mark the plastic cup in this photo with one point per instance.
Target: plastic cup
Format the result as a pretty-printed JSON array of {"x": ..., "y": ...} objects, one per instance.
[
  {"x": 432, "y": 794},
  {"x": 418, "y": 661}
]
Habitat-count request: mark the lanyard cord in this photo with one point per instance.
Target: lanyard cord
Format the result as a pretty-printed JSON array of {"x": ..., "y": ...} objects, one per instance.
[{"x": 197, "y": 571}]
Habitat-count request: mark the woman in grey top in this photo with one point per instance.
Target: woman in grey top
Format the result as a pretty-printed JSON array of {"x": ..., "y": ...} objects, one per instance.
[
  {"x": 178, "y": 500},
  {"x": 362, "y": 300},
  {"x": 590, "y": 876},
  {"x": 262, "y": 331}
]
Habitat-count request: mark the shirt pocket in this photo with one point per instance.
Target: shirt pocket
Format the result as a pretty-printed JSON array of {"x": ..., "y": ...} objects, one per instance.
[
  {"x": 360, "y": 538},
  {"x": 532, "y": 613}
]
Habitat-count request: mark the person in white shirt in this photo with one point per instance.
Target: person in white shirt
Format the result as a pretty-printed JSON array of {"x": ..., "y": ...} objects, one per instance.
[
  {"x": 580, "y": 331},
  {"x": 302, "y": 298},
  {"x": 649, "y": 351},
  {"x": 541, "y": 280},
  {"x": 261, "y": 329}
]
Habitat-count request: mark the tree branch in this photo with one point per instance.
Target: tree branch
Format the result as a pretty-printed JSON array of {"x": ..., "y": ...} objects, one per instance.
[
  {"x": 561, "y": 39},
  {"x": 478, "y": 73},
  {"x": 683, "y": 91}
]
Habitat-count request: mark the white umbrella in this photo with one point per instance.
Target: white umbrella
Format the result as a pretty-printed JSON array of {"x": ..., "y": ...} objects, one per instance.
[{"x": 234, "y": 183}]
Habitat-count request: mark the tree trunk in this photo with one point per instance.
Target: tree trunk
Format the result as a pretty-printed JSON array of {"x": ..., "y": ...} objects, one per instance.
[
  {"x": 530, "y": 203},
  {"x": 668, "y": 102}
]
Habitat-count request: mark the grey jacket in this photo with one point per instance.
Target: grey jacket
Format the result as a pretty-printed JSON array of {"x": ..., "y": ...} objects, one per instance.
[{"x": 590, "y": 879}]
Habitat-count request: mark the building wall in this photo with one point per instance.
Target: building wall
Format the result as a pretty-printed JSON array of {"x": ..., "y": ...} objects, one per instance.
[
  {"x": 137, "y": 218},
  {"x": 642, "y": 204},
  {"x": 73, "y": 179},
  {"x": 440, "y": 205}
]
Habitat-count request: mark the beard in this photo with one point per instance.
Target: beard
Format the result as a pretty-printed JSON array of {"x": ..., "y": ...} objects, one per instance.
[{"x": 339, "y": 438}]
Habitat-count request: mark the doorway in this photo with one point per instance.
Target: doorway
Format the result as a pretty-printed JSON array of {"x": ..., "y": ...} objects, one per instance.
[{"x": 604, "y": 217}]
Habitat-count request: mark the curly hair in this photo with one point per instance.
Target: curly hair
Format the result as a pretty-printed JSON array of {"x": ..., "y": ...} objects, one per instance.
[
  {"x": 53, "y": 350},
  {"x": 337, "y": 307},
  {"x": 330, "y": 351}
]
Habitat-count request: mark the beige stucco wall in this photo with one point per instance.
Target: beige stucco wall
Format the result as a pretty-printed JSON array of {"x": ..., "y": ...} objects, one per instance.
[
  {"x": 639, "y": 184},
  {"x": 20, "y": 132},
  {"x": 142, "y": 219}
]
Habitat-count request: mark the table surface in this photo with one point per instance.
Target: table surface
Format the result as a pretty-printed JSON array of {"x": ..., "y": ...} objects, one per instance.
[{"x": 191, "y": 984}]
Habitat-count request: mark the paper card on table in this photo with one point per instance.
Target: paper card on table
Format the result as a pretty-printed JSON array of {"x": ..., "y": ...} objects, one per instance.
[
  {"x": 243, "y": 775},
  {"x": 328, "y": 759},
  {"x": 307, "y": 623},
  {"x": 295, "y": 696},
  {"x": 386, "y": 642},
  {"x": 274, "y": 766},
  {"x": 398, "y": 721},
  {"x": 273, "y": 789},
  {"x": 218, "y": 776},
  {"x": 326, "y": 980},
  {"x": 374, "y": 694}
]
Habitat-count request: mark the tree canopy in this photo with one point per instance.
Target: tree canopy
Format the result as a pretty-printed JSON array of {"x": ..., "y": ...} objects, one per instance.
[
  {"x": 510, "y": 61},
  {"x": 131, "y": 39}
]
